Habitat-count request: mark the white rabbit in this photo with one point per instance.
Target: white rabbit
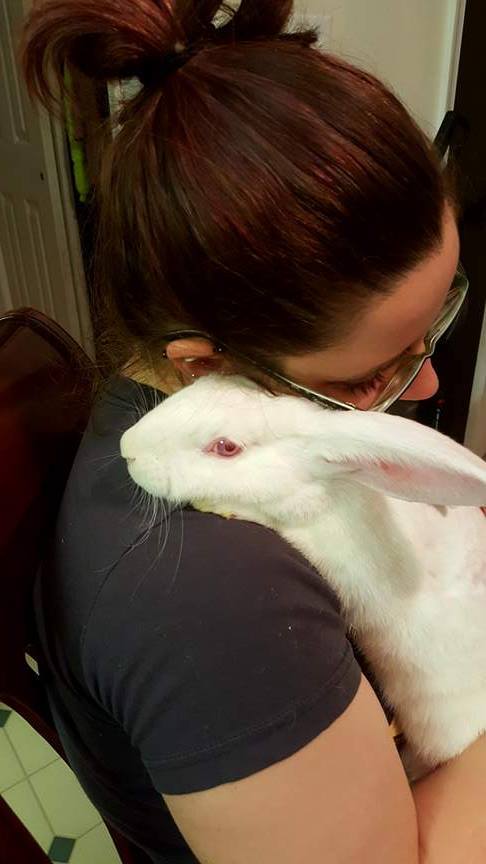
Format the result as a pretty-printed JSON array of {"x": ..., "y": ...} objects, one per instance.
[{"x": 385, "y": 509}]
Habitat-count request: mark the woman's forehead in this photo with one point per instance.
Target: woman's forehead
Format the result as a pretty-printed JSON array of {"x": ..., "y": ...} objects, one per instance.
[
  {"x": 393, "y": 323},
  {"x": 390, "y": 324}
]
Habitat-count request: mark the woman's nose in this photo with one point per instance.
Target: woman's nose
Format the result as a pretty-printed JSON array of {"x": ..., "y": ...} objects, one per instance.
[{"x": 425, "y": 385}]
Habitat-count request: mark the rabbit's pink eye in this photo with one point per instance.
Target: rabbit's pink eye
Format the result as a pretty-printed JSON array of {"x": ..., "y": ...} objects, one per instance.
[{"x": 223, "y": 447}]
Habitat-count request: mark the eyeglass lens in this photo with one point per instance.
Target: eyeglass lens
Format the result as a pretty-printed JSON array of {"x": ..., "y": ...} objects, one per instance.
[{"x": 411, "y": 365}]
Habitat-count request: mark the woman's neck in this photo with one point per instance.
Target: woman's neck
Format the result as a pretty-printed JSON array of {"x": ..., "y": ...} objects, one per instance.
[{"x": 164, "y": 380}]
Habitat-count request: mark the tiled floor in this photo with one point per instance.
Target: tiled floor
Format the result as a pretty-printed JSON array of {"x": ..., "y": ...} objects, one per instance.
[{"x": 46, "y": 796}]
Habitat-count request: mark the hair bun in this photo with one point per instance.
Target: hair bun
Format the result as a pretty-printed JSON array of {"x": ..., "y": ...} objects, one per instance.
[
  {"x": 105, "y": 39},
  {"x": 109, "y": 39}
]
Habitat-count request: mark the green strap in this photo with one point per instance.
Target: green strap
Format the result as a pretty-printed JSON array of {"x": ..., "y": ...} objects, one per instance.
[{"x": 76, "y": 147}]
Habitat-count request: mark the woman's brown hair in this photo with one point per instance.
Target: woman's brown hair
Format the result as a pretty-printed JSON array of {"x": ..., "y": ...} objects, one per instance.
[{"x": 261, "y": 191}]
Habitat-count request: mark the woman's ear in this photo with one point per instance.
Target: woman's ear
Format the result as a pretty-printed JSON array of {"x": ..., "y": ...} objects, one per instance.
[{"x": 194, "y": 358}]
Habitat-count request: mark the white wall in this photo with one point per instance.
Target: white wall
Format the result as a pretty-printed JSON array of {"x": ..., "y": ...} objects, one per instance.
[{"x": 409, "y": 44}]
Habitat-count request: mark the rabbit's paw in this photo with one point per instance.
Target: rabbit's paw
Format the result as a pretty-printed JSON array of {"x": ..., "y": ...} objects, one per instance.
[
  {"x": 203, "y": 507},
  {"x": 415, "y": 766}
]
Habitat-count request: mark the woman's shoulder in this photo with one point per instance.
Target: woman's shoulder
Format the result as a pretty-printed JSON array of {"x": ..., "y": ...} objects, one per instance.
[
  {"x": 187, "y": 553},
  {"x": 194, "y": 566},
  {"x": 234, "y": 634}
]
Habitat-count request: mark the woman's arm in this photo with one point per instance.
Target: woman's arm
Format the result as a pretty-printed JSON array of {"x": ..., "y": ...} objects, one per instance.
[
  {"x": 342, "y": 799},
  {"x": 451, "y": 810}
]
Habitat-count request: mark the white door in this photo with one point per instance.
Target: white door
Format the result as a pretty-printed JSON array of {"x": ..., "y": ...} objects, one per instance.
[{"x": 40, "y": 259}]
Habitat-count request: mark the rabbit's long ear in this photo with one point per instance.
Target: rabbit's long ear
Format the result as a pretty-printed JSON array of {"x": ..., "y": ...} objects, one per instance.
[{"x": 399, "y": 457}]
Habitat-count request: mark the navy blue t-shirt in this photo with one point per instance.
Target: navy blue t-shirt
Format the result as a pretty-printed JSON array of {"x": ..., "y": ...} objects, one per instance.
[{"x": 180, "y": 650}]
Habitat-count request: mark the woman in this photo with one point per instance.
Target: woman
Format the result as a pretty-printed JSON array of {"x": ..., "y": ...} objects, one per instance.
[{"x": 266, "y": 208}]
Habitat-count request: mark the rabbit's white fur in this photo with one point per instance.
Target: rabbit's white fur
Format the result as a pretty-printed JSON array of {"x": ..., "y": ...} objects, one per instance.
[{"x": 386, "y": 510}]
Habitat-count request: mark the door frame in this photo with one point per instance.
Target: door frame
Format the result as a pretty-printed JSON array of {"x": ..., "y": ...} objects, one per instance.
[
  {"x": 475, "y": 434},
  {"x": 475, "y": 437},
  {"x": 456, "y": 52},
  {"x": 59, "y": 178}
]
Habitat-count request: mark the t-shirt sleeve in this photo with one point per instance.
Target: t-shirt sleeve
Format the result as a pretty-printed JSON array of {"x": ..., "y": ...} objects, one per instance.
[{"x": 219, "y": 649}]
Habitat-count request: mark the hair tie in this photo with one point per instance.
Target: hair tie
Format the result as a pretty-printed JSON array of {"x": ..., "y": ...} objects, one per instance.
[{"x": 155, "y": 70}]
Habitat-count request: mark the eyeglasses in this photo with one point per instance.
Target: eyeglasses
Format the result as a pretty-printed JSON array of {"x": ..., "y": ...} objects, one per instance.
[{"x": 405, "y": 373}]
